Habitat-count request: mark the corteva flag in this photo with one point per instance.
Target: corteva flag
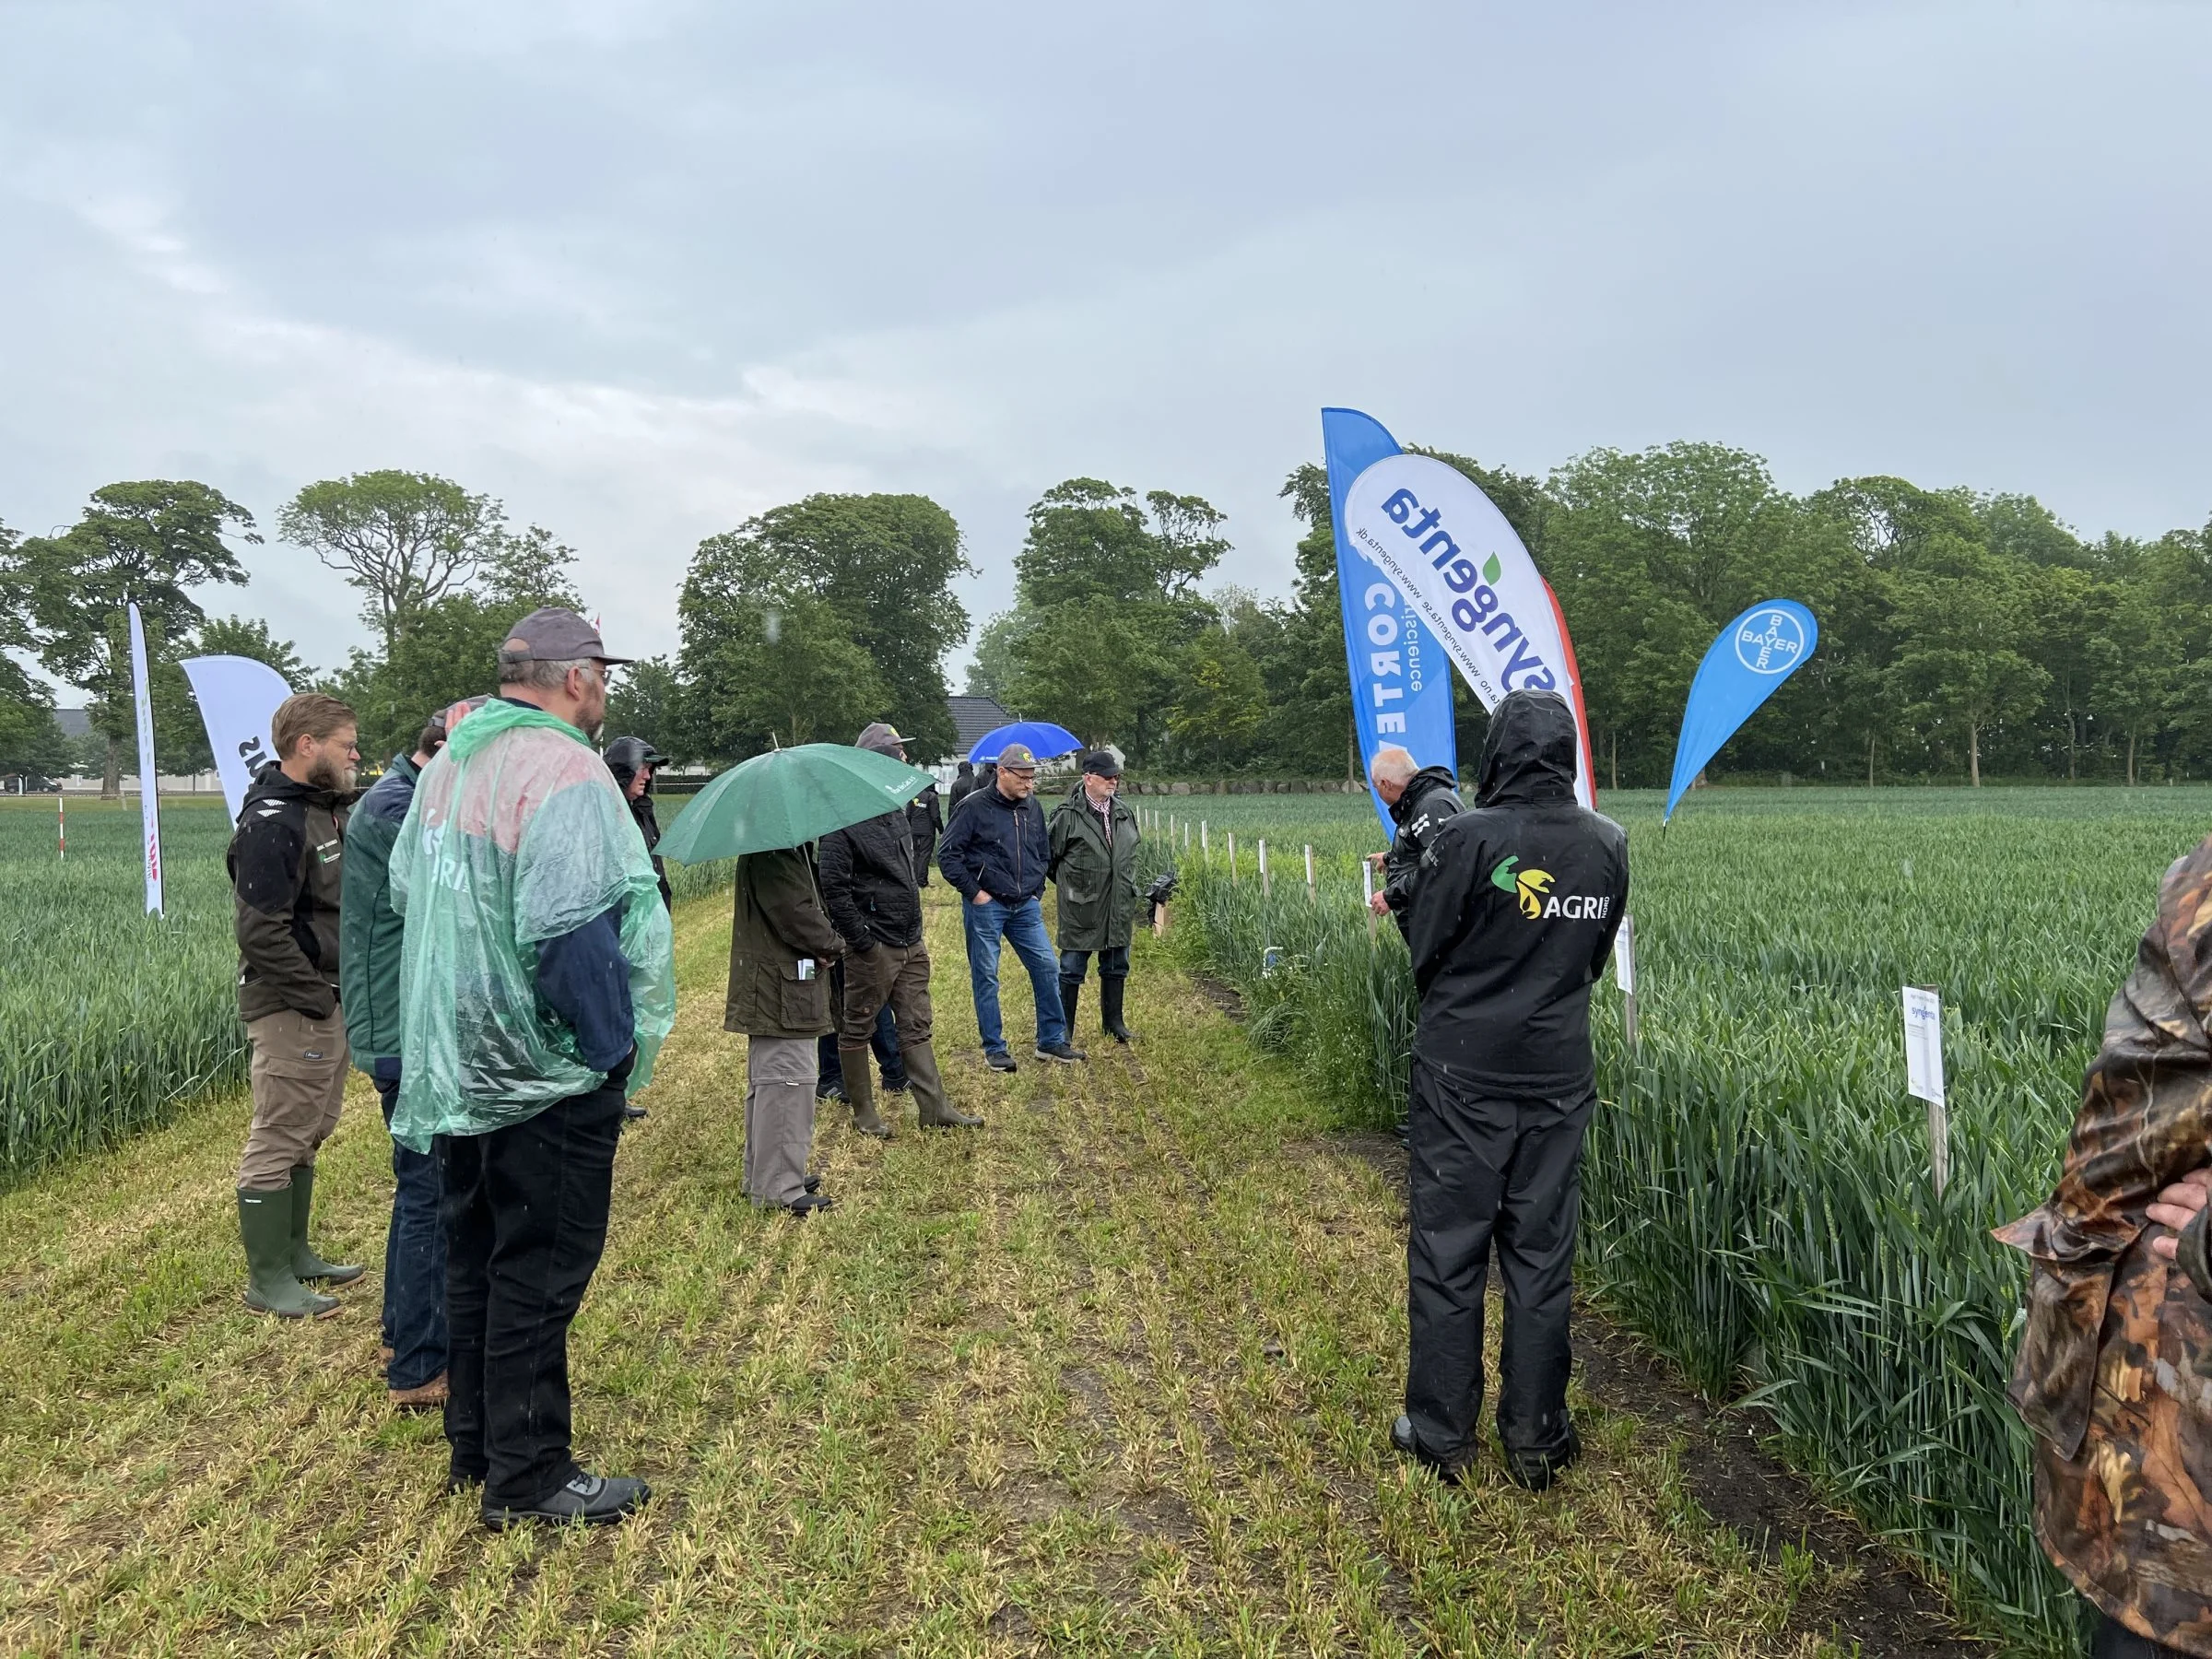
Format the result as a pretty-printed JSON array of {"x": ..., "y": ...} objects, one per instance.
[
  {"x": 1401, "y": 685},
  {"x": 238, "y": 697},
  {"x": 1742, "y": 669},
  {"x": 1459, "y": 565}
]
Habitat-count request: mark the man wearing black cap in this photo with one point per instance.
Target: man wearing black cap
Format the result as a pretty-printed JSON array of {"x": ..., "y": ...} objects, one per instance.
[
  {"x": 1094, "y": 839},
  {"x": 633, "y": 762},
  {"x": 995, "y": 853}
]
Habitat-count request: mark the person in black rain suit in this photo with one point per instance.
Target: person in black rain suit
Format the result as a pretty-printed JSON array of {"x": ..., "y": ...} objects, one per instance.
[{"x": 1511, "y": 921}]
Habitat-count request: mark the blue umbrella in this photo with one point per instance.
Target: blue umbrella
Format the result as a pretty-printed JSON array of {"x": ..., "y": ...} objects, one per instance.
[{"x": 1046, "y": 741}]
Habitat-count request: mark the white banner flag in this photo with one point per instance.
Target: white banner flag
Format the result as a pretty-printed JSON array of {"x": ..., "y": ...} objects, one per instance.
[
  {"x": 1448, "y": 549},
  {"x": 149, "y": 781},
  {"x": 238, "y": 697}
]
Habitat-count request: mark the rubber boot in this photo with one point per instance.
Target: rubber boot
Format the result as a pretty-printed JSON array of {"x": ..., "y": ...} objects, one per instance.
[
  {"x": 306, "y": 1263},
  {"x": 1109, "y": 1009},
  {"x": 860, "y": 1089},
  {"x": 264, "y": 1226},
  {"x": 1071, "y": 996},
  {"x": 937, "y": 1112}
]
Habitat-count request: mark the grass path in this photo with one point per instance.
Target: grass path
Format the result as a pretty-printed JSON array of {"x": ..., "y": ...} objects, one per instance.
[{"x": 1112, "y": 1376}]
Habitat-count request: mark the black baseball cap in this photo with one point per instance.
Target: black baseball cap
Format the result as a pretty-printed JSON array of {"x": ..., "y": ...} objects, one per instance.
[
  {"x": 554, "y": 634},
  {"x": 1102, "y": 762}
]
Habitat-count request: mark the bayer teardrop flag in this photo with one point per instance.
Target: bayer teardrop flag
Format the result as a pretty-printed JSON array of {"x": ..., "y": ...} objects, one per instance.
[{"x": 1743, "y": 667}]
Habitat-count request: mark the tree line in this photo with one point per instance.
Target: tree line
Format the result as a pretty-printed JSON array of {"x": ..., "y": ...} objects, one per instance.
[{"x": 1962, "y": 634}]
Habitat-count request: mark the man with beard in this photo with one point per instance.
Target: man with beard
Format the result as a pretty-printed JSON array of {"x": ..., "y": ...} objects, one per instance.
[
  {"x": 537, "y": 979},
  {"x": 287, "y": 862},
  {"x": 1512, "y": 918}
]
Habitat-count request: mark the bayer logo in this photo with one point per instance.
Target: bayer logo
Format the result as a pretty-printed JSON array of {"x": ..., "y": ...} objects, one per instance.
[{"x": 1769, "y": 641}]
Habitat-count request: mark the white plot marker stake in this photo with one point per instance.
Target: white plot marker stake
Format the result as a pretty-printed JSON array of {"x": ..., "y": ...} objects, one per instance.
[
  {"x": 1624, "y": 976},
  {"x": 1924, "y": 1075}
]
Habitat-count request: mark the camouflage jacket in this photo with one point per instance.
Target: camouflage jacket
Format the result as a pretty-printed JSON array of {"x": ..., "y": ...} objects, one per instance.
[{"x": 2114, "y": 1373}]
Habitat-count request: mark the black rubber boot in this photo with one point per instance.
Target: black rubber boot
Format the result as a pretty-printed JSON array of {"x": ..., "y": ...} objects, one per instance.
[
  {"x": 1071, "y": 998},
  {"x": 264, "y": 1226},
  {"x": 1109, "y": 1010},
  {"x": 306, "y": 1263}
]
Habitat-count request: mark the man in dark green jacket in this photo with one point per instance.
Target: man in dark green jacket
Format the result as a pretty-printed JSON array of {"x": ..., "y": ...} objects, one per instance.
[
  {"x": 781, "y": 944},
  {"x": 1093, "y": 837},
  {"x": 368, "y": 949}
]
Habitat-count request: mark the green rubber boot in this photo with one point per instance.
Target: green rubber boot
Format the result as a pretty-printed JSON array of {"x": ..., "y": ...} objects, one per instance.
[
  {"x": 264, "y": 1224},
  {"x": 306, "y": 1263}
]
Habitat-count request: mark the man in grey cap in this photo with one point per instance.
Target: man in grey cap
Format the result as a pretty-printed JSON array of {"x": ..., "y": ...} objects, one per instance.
[
  {"x": 518, "y": 824},
  {"x": 996, "y": 852}
]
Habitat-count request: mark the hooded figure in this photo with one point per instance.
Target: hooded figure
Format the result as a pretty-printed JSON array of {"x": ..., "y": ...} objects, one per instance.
[
  {"x": 1511, "y": 921},
  {"x": 2111, "y": 1367},
  {"x": 628, "y": 759}
]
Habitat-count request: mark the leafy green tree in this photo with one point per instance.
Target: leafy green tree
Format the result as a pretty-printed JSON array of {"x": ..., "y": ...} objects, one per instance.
[
  {"x": 152, "y": 541},
  {"x": 646, "y": 701},
  {"x": 1963, "y": 669},
  {"x": 250, "y": 637},
  {"x": 1221, "y": 701},
  {"x": 2135, "y": 660},
  {"x": 882, "y": 566},
  {"x": 404, "y": 539}
]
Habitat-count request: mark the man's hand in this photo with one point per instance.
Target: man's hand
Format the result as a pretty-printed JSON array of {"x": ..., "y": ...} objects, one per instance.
[
  {"x": 1375, "y": 859},
  {"x": 2176, "y": 1205},
  {"x": 1378, "y": 904},
  {"x": 981, "y": 897}
]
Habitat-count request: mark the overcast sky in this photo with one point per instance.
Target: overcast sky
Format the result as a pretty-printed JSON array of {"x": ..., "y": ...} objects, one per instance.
[{"x": 641, "y": 268}]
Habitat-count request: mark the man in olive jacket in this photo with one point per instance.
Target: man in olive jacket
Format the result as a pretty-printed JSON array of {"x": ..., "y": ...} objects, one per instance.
[
  {"x": 781, "y": 944},
  {"x": 1093, "y": 836}
]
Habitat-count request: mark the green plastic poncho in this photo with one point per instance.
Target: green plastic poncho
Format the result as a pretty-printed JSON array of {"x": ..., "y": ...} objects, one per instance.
[{"x": 518, "y": 834}]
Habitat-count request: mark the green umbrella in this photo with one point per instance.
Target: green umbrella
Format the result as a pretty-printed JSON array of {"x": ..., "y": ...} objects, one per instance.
[{"x": 788, "y": 798}]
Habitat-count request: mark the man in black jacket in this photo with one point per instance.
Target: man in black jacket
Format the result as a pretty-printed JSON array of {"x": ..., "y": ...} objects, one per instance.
[
  {"x": 288, "y": 861},
  {"x": 995, "y": 851},
  {"x": 875, "y": 902},
  {"x": 1511, "y": 922},
  {"x": 963, "y": 785},
  {"x": 1421, "y": 799}
]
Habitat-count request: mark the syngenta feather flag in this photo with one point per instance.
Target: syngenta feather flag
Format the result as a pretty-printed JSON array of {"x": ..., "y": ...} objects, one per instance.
[
  {"x": 1401, "y": 685},
  {"x": 238, "y": 697},
  {"x": 149, "y": 781},
  {"x": 1742, "y": 669},
  {"x": 1447, "y": 550}
]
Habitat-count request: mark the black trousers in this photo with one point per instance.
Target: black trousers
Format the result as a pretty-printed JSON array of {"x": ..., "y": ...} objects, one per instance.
[
  {"x": 524, "y": 1209},
  {"x": 2115, "y": 1641},
  {"x": 1486, "y": 1170}
]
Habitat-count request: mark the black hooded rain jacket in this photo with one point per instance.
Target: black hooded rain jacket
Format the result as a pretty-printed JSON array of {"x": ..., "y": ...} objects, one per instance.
[
  {"x": 1514, "y": 914},
  {"x": 624, "y": 755}
]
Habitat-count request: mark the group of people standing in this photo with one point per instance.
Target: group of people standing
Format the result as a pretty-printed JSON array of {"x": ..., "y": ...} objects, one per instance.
[
  {"x": 486, "y": 933},
  {"x": 828, "y": 963}
]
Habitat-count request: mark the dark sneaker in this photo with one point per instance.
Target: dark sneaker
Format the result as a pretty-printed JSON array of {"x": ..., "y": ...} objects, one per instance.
[
  {"x": 808, "y": 1202},
  {"x": 1537, "y": 1470},
  {"x": 998, "y": 1062},
  {"x": 813, "y": 1184},
  {"x": 1066, "y": 1052},
  {"x": 831, "y": 1091},
  {"x": 1403, "y": 1441},
  {"x": 594, "y": 1499},
  {"x": 631, "y": 1114},
  {"x": 899, "y": 1087}
]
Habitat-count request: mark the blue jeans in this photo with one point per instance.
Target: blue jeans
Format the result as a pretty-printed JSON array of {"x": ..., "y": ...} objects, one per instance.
[
  {"x": 414, "y": 1254},
  {"x": 1112, "y": 963},
  {"x": 1022, "y": 926}
]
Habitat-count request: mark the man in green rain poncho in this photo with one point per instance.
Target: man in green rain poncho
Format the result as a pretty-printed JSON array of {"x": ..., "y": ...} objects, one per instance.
[{"x": 537, "y": 979}]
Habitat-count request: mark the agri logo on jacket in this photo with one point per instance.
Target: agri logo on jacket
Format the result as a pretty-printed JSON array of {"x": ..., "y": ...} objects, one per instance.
[{"x": 1538, "y": 902}]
